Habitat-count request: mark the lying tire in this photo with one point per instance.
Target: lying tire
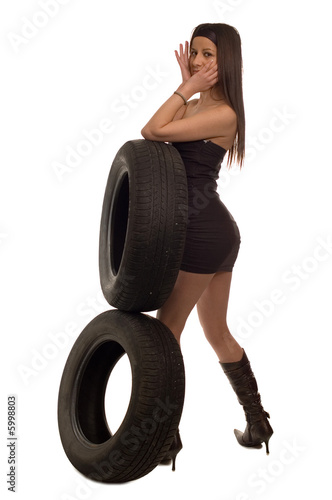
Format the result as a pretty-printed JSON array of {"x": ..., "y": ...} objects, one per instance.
[
  {"x": 143, "y": 225},
  {"x": 155, "y": 407}
]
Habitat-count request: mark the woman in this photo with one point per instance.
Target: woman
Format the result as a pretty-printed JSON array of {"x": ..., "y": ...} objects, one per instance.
[{"x": 203, "y": 130}]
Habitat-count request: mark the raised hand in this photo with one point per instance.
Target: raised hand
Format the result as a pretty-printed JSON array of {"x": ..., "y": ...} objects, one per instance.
[
  {"x": 183, "y": 60},
  {"x": 205, "y": 78}
]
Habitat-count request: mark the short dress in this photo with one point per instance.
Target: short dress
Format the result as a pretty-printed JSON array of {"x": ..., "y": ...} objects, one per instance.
[{"x": 213, "y": 237}]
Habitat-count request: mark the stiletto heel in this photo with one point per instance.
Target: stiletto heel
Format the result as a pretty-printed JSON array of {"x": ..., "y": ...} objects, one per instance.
[
  {"x": 173, "y": 466},
  {"x": 171, "y": 455},
  {"x": 267, "y": 446}
]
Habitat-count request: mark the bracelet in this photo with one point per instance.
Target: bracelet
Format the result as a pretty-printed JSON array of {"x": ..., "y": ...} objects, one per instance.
[{"x": 179, "y": 93}]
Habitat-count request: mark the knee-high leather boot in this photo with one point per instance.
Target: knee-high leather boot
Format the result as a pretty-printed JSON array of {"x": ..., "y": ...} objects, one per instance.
[{"x": 242, "y": 379}]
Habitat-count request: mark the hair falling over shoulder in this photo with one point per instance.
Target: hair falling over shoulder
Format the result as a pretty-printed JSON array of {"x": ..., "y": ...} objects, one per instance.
[{"x": 230, "y": 69}]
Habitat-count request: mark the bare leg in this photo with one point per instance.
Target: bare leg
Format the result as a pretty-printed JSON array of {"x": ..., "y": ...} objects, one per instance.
[
  {"x": 212, "y": 312},
  {"x": 185, "y": 294}
]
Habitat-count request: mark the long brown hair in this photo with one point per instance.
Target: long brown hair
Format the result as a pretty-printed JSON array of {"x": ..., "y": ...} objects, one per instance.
[{"x": 230, "y": 68}]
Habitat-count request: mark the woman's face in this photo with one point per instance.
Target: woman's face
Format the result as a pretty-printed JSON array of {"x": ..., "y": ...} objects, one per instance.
[{"x": 202, "y": 51}]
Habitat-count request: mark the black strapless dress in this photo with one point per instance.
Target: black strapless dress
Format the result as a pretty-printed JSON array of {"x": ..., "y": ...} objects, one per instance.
[{"x": 213, "y": 238}]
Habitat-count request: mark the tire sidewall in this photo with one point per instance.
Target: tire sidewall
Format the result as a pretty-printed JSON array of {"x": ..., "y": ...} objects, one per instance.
[
  {"x": 114, "y": 282},
  {"x": 94, "y": 459},
  {"x": 155, "y": 226}
]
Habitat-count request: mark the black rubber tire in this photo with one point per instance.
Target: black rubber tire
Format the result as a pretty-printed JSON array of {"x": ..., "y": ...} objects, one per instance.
[
  {"x": 143, "y": 225},
  {"x": 155, "y": 408}
]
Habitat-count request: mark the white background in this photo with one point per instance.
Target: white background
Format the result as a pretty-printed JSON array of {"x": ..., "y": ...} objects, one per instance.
[{"x": 67, "y": 77}]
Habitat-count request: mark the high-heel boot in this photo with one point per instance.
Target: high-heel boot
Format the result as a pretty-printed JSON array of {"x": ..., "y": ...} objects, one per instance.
[
  {"x": 242, "y": 379},
  {"x": 170, "y": 456}
]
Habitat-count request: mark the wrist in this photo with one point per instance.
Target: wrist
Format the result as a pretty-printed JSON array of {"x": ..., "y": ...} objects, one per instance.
[{"x": 186, "y": 90}]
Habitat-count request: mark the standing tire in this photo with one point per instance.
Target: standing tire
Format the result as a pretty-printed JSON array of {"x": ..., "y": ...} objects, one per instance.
[
  {"x": 155, "y": 407},
  {"x": 143, "y": 226}
]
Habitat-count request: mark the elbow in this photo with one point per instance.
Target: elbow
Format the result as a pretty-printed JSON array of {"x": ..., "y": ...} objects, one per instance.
[
  {"x": 150, "y": 135},
  {"x": 146, "y": 133}
]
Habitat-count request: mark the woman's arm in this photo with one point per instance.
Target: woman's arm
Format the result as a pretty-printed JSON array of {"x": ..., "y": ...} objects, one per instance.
[
  {"x": 161, "y": 126},
  {"x": 217, "y": 122},
  {"x": 166, "y": 113}
]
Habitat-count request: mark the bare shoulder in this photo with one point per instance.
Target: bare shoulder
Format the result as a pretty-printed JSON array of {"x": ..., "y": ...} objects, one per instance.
[
  {"x": 227, "y": 113},
  {"x": 221, "y": 111},
  {"x": 227, "y": 119}
]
